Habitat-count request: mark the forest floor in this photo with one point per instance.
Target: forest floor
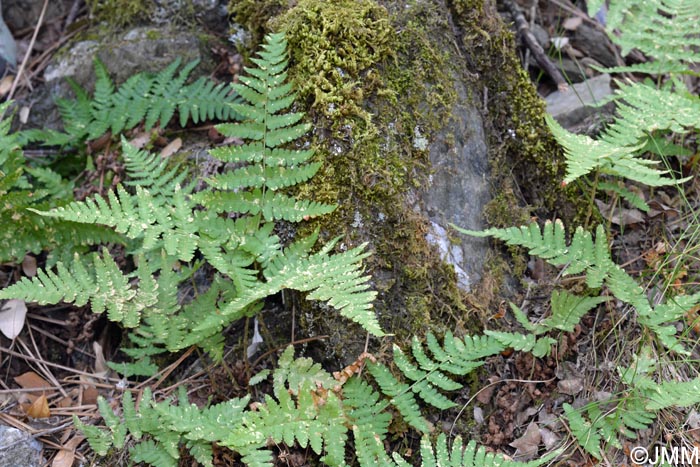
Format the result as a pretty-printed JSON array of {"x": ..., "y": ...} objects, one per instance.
[{"x": 62, "y": 349}]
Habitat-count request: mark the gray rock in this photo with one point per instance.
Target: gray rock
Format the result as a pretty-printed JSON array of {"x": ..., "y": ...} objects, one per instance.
[
  {"x": 148, "y": 49},
  {"x": 571, "y": 107},
  {"x": 8, "y": 48},
  {"x": 139, "y": 49},
  {"x": 18, "y": 449},
  {"x": 23, "y": 14},
  {"x": 459, "y": 189}
]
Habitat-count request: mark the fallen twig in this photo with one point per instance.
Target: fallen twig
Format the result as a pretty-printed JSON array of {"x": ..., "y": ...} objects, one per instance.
[{"x": 537, "y": 51}]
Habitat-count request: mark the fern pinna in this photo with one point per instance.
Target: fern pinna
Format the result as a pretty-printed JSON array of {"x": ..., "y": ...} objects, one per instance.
[
  {"x": 229, "y": 225},
  {"x": 664, "y": 30}
]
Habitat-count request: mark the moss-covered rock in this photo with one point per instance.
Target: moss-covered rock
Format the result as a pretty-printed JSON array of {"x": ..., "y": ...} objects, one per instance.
[{"x": 392, "y": 88}]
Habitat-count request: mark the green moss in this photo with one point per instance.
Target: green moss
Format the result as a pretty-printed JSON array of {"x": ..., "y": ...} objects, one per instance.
[
  {"x": 350, "y": 68},
  {"x": 254, "y": 14},
  {"x": 373, "y": 76},
  {"x": 119, "y": 13}
]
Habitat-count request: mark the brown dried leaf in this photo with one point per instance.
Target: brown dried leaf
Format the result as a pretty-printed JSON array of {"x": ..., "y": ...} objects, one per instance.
[
  {"x": 66, "y": 455},
  {"x": 101, "y": 368},
  {"x": 572, "y": 23},
  {"x": 172, "y": 147},
  {"x": 140, "y": 139},
  {"x": 620, "y": 216},
  {"x": 23, "y": 114},
  {"x": 31, "y": 380},
  {"x": 39, "y": 408},
  {"x": 6, "y": 84},
  {"x": 549, "y": 438},
  {"x": 570, "y": 386},
  {"x": 90, "y": 394},
  {"x": 528, "y": 444},
  {"x": 484, "y": 396}
]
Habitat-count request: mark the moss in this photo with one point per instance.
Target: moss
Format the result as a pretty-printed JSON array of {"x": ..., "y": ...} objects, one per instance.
[
  {"x": 372, "y": 76},
  {"x": 119, "y": 13},
  {"x": 254, "y": 14},
  {"x": 373, "y": 90},
  {"x": 525, "y": 158}
]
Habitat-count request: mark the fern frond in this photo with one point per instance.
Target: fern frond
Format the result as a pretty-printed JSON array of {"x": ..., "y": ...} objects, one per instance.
[
  {"x": 153, "y": 98},
  {"x": 462, "y": 456},
  {"x": 568, "y": 309},
  {"x": 401, "y": 396},
  {"x": 150, "y": 170},
  {"x": 102, "y": 284},
  {"x": 661, "y": 29},
  {"x": 588, "y": 438},
  {"x": 152, "y": 453},
  {"x": 585, "y": 154},
  {"x": 632, "y": 198},
  {"x": 583, "y": 255},
  {"x": 369, "y": 420},
  {"x": 336, "y": 279},
  {"x": 159, "y": 213},
  {"x": 265, "y": 95},
  {"x": 299, "y": 375}
]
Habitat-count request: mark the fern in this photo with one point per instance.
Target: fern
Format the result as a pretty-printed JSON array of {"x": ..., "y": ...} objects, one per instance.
[
  {"x": 431, "y": 374},
  {"x": 105, "y": 289},
  {"x": 269, "y": 167},
  {"x": 463, "y": 456},
  {"x": 661, "y": 29},
  {"x": 617, "y": 150},
  {"x": 308, "y": 408},
  {"x": 143, "y": 97},
  {"x": 637, "y": 410},
  {"x": 24, "y": 187},
  {"x": 584, "y": 255}
]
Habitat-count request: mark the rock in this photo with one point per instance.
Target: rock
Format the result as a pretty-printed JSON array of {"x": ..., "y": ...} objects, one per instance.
[
  {"x": 139, "y": 49},
  {"x": 571, "y": 107},
  {"x": 596, "y": 44},
  {"x": 18, "y": 449},
  {"x": 459, "y": 189},
  {"x": 23, "y": 14},
  {"x": 8, "y": 49}
]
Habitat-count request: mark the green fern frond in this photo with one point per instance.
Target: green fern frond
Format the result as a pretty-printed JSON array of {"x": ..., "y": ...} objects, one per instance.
[
  {"x": 159, "y": 213},
  {"x": 585, "y": 154},
  {"x": 582, "y": 429},
  {"x": 568, "y": 309},
  {"x": 336, "y": 279},
  {"x": 661, "y": 29},
  {"x": 153, "y": 98},
  {"x": 150, "y": 170},
  {"x": 462, "y": 456},
  {"x": 584, "y": 255},
  {"x": 400, "y": 394},
  {"x": 265, "y": 96},
  {"x": 632, "y": 198},
  {"x": 101, "y": 284},
  {"x": 369, "y": 420},
  {"x": 152, "y": 453},
  {"x": 299, "y": 375}
]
